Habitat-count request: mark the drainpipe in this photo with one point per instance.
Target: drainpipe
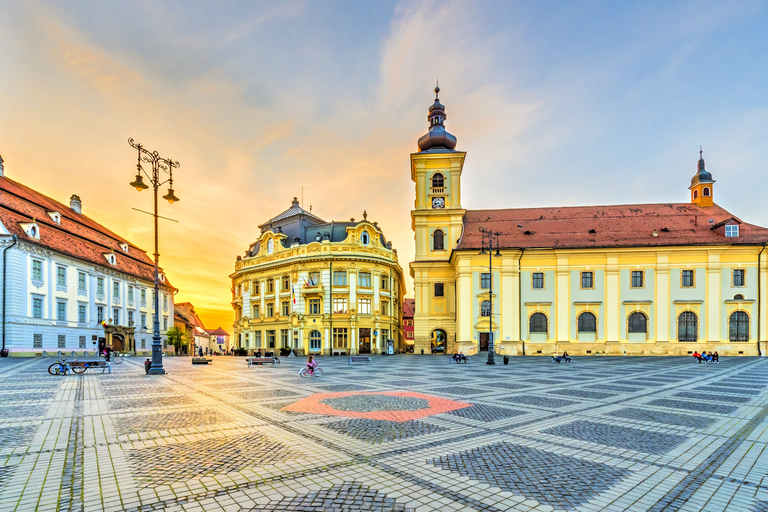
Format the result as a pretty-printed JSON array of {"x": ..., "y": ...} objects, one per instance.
[
  {"x": 520, "y": 299},
  {"x": 759, "y": 296},
  {"x": 330, "y": 310},
  {"x": 4, "y": 352}
]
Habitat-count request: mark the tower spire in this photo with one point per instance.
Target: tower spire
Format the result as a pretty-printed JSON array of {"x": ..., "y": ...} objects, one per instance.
[
  {"x": 437, "y": 138},
  {"x": 702, "y": 184}
]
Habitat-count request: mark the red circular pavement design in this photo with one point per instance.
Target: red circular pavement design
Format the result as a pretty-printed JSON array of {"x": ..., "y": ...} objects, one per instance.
[{"x": 435, "y": 405}]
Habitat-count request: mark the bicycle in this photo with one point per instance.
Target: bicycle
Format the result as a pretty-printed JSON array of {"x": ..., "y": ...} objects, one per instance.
[
  {"x": 60, "y": 368},
  {"x": 306, "y": 372}
]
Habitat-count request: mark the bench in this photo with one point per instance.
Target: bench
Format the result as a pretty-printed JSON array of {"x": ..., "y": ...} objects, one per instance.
[
  {"x": 360, "y": 359},
  {"x": 201, "y": 360},
  {"x": 464, "y": 359},
  {"x": 260, "y": 360},
  {"x": 104, "y": 365}
]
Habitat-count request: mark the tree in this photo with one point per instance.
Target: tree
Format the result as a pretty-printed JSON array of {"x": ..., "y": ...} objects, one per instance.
[{"x": 176, "y": 338}]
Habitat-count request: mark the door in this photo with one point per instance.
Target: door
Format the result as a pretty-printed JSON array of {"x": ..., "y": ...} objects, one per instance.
[
  {"x": 484, "y": 336},
  {"x": 364, "y": 341}
]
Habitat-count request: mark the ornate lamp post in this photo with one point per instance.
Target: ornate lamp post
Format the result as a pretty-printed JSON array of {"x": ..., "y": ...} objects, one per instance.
[
  {"x": 491, "y": 237},
  {"x": 166, "y": 165}
]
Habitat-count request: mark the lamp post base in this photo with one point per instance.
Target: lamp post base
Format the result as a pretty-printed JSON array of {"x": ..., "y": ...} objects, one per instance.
[{"x": 156, "y": 371}]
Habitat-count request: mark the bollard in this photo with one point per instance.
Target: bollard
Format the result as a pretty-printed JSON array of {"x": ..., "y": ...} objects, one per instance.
[
  {"x": 147, "y": 364},
  {"x": 506, "y": 359}
]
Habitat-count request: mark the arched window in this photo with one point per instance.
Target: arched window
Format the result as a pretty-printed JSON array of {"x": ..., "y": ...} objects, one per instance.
[
  {"x": 706, "y": 191},
  {"x": 638, "y": 323},
  {"x": 438, "y": 238},
  {"x": 438, "y": 180},
  {"x": 364, "y": 238},
  {"x": 485, "y": 308},
  {"x": 695, "y": 194},
  {"x": 537, "y": 323},
  {"x": 315, "y": 340},
  {"x": 587, "y": 322},
  {"x": 738, "y": 296},
  {"x": 687, "y": 326},
  {"x": 738, "y": 326}
]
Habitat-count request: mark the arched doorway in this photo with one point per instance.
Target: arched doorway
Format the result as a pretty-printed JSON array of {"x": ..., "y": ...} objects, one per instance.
[
  {"x": 118, "y": 343},
  {"x": 438, "y": 340}
]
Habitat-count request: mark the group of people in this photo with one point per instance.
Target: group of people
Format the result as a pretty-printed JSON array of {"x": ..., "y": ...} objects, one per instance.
[
  {"x": 459, "y": 357},
  {"x": 705, "y": 357},
  {"x": 558, "y": 358}
]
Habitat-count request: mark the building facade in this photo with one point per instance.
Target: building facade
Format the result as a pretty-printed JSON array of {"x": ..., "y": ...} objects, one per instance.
[
  {"x": 650, "y": 279},
  {"x": 409, "y": 306},
  {"x": 318, "y": 287},
  {"x": 70, "y": 284}
]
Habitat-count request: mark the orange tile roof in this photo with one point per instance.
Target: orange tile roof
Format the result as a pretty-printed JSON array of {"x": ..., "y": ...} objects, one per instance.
[
  {"x": 629, "y": 225},
  {"x": 409, "y": 308},
  {"x": 77, "y": 235},
  {"x": 218, "y": 332}
]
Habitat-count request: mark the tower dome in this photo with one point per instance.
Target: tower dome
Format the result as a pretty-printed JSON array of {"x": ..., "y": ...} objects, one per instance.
[
  {"x": 437, "y": 138},
  {"x": 702, "y": 184}
]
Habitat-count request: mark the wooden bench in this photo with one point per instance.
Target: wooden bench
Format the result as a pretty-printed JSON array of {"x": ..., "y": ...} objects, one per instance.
[
  {"x": 104, "y": 365},
  {"x": 464, "y": 359},
  {"x": 360, "y": 359},
  {"x": 260, "y": 360},
  {"x": 201, "y": 360}
]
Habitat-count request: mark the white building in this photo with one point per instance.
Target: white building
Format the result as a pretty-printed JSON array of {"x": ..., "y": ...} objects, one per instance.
[{"x": 70, "y": 284}]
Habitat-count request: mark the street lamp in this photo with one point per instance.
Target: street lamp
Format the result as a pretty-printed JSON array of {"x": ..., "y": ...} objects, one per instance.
[
  {"x": 490, "y": 236},
  {"x": 166, "y": 165}
]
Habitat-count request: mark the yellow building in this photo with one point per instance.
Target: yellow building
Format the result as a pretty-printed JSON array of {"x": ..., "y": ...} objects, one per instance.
[
  {"x": 318, "y": 287},
  {"x": 653, "y": 279}
]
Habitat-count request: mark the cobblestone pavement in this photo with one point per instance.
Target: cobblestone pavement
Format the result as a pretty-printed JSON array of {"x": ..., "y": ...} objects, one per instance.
[{"x": 409, "y": 433}]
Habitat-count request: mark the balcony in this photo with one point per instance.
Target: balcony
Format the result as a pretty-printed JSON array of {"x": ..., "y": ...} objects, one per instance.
[{"x": 438, "y": 190}]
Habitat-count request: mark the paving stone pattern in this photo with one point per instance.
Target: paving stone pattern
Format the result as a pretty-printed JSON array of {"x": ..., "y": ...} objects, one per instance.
[{"x": 601, "y": 433}]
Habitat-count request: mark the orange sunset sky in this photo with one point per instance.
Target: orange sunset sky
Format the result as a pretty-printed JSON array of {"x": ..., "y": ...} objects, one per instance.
[{"x": 556, "y": 104}]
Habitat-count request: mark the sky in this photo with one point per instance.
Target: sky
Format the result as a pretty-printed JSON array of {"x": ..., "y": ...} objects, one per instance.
[{"x": 555, "y": 103}]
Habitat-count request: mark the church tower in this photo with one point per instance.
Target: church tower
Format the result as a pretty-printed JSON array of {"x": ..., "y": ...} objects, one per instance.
[
  {"x": 702, "y": 185},
  {"x": 437, "y": 221}
]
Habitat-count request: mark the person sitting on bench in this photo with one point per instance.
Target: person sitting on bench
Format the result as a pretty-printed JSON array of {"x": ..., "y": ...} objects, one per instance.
[
  {"x": 697, "y": 356},
  {"x": 456, "y": 357},
  {"x": 566, "y": 357},
  {"x": 715, "y": 357},
  {"x": 556, "y": 357}
]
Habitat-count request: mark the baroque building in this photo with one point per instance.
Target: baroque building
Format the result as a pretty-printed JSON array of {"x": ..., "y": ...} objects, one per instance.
[
  {"x": 69, "y": 283},
  {"x": 650, "y": 279},
  {"x": 318, "y": 287}
]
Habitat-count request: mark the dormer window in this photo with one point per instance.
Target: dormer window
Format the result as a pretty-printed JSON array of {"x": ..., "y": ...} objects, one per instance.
[
  {"x": 55, "y": 217},
  {"x": 31, "y": 229},
  {"x": 124, "y": 247},
  {"x": 732, "y": 230},
  {"x": 111, "y": 258},
  {"x": 364, "y": 238}
]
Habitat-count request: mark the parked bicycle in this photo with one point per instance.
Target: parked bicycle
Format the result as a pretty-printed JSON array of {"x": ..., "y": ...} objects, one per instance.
[
  {"x": 306, "y": 372},
  {"x": 60, "y": 368}
]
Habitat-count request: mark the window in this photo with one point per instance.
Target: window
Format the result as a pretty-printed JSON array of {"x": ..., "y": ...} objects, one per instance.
[
  {"x": 37, "y": 340},
  {"x": 37, "y": 270},
  {"x": 687, "y": 326},
  {"x": 257, "y": 339},
  {"x": 81, "y": 342},
  {"x": 62, "y": 341},
  {"x": 81, "y": 281},
  {"x": 537, "y": 323},
  {"x": 130, "y": 293},
  {"x": 738, "y": 277},
  {"x": 165, "y": 302},
  {"x": 165, "y": 323},
  {"x": 365, "y": 280},
  {"x": 314, "y": 279},
  {"x": 239, "y": 291},
  {"x": 116, "y": 290},
  {"x": 130, "y": 319},
  {"x": 81, "y": 311},
  {"x": 143, "y": 297},
  {"x": 61, "y": 311},
  {"x": 485, "y": 281},
  {"x": 270, "y": 310},
  {"x": 587, "y": 322},
  {"x": 485, "y": 308},
  {"x": 100, "y": 314},
  {"x": 385, "y": 334},
  {"x": 688, "y": 279},
  {"x": 284, "y": 338},
  {"x": 732, "y": 230},
  {"x": 339, "y": 278},
  {"x": 255, "y": 288},
  {"x": 438, "y": 181},
  {"x": 314, "y": 341},
  {"x": 100, "y": 285},
  {"x": 364, "y": 238},
  {"x": 439, "y": 290},
  {"x": 340, "y": 337},
  {"x": 384, "y": 283},
  {"x": 364, "y": 306},
  {"x": 738, "y": 326},
  {"x": 314, "y": 306},
  {"x": 143, "y": 343},
  {"x": 637, "y": 279},
  {"x": 37, "y": 307},
  {"x": 705, "y": 192},
  {"x": 143, "y": 321},
  {"x": 61, "y": 276},
  {"x": 537, "y": 280},
  {"x": 587, "y": 280},
  {"x": 271, "y": 339},
  {"x": 438, "y": 239},
  {"x": 286, "y": 284},
  {"x": 384, "y": 308},
  {"x": 637, "y": 323},
  {"x": 340, "y": 305},
  {"x": 270, "y": 286},
  {"x": 116, "y": 316},
  {"x": 256, "y": 310},
  {"x": 285, "y": 308}
]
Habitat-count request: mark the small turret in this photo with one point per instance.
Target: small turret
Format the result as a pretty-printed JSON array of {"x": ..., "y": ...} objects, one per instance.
[
  {"x": 702, "y": 184},
  {"x": 437, "y": 138}
]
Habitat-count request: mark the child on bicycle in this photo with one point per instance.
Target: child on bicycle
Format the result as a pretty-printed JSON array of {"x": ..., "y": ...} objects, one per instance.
[{"x": 311, "y": 364}]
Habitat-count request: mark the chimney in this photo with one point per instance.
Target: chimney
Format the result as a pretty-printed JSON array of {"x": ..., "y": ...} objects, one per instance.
[
  {"x": 74, "y": 202},
  {"x": 2, "y": 171}
]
